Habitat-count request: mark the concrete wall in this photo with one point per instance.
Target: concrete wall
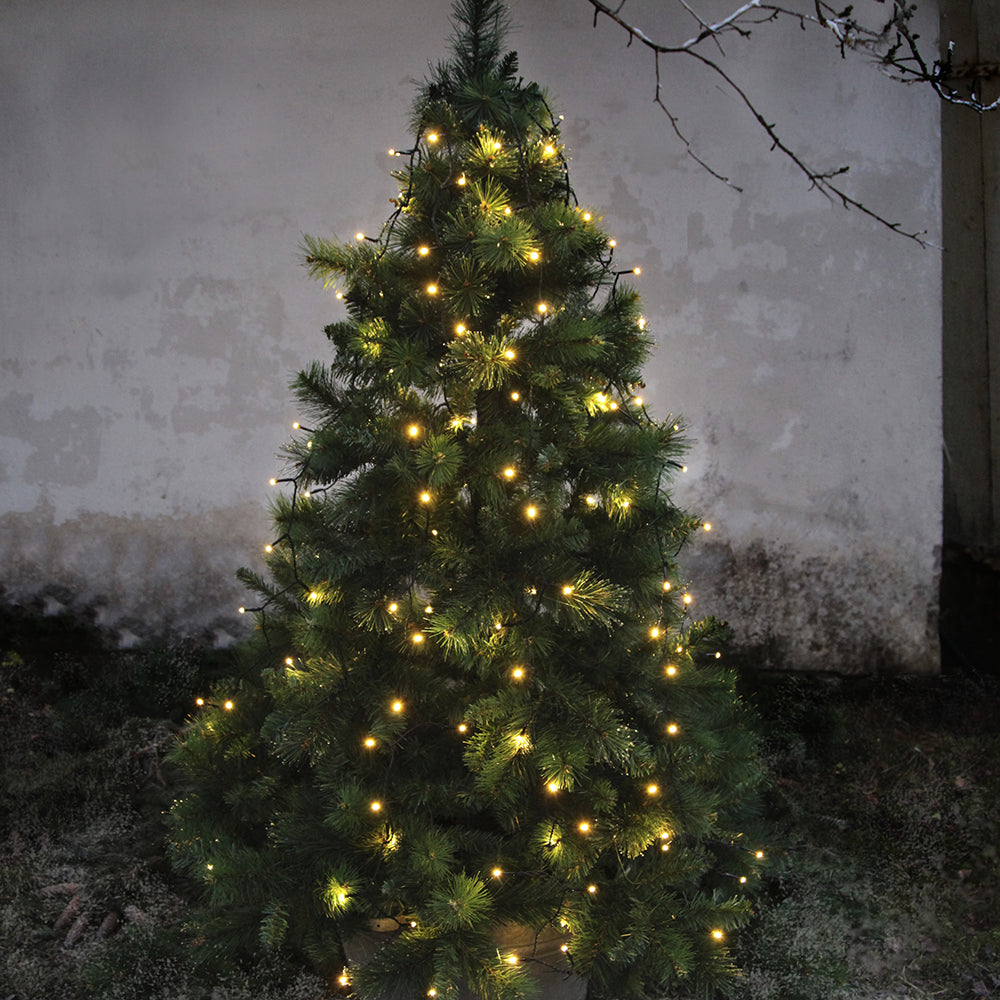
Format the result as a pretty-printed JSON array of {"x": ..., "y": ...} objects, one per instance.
[{"x": 160, "y": 159}]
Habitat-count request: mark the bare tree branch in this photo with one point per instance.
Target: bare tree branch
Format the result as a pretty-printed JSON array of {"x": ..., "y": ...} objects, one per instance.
[{"x": 893, "y": 46}]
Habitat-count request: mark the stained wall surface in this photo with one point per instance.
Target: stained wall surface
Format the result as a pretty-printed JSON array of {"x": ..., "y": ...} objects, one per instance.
[{"x": 161, "y": 159}]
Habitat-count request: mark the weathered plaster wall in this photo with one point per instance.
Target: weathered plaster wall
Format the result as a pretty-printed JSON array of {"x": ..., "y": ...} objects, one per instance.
[{"x": 160, "y": 159}]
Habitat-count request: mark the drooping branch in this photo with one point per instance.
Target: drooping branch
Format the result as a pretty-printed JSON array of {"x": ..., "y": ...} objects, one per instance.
[{"x": 893, "y": 45}]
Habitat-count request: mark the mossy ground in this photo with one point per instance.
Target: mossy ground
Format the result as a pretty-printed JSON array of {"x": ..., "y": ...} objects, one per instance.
[{"x": 882, "y": 817}]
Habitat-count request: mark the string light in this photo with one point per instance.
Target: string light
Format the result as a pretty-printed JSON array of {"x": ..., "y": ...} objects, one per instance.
[
  {"x": 564, "y": 948},
  {"x": 343, "y": 979},
  {"x": 463, "y": 728},
  {"x": 417, "y": 638},
  {"x": 652, "y": 789},
  {"x": 592, "y": 501},
  {"x": 376, "y": 806},
  {"x": 671, "y": 670},
  {"x": 199, "y": 702},
  {"x": 672, "y": 729},
  {"x": 534, "y": 255},
  {"x": 393, "y": 608},
  {"x": 512, "y": 959},
  {"x": 666, "y": 584},
  {"x": 688, "y": 598},
  {"x": 531, "y": 512},
  {"x": 413, "y": 431},
  {"x": 515, "y": 395},
  {"x": 718, "y": 935},
  {"x": 359, "y": 235},
  {"x": 510, "y": 472},
  {"x": 370, "y": 742},
  {"x": 460, "y": 329},
  {"x": 397, "y": 706},
  {"x": 584, "y": 827},
  {"x": 432, "y": 289},
  {"x": 592, "y": 889},
  {"x": 553, "y": 787},
  {"x": 654, "y": 633},
  {"x": 497, "y": 872},
  {"x": 517, "y": 673},
  {"x": 543, "y": 307},
  {"x": 432, "y": 137},
  {"x": 568, "y": 589},
  {"x": 425, "y": 497},
  {"x": 509, "y": 354},
  {"x": 228, "y": 706},
  {"x": 706, "y": 526},
  {"x": 587, "y": 216},
  {"x": 461, "y": 181}
]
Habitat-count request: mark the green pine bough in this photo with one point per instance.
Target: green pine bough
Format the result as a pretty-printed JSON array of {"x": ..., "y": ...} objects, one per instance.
[{"x": 474, "y": 700}]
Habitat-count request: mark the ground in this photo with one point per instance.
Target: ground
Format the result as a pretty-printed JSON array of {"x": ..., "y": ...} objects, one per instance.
[{"x": 882, "y": 817}]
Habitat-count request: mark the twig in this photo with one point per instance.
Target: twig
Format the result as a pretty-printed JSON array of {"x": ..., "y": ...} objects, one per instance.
[{"x": 894, "y": 46}]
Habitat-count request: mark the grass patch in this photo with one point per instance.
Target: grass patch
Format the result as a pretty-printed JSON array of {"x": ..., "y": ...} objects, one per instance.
[{"x": 882, "y": 816}]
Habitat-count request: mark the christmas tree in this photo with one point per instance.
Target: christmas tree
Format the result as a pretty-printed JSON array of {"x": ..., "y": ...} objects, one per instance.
[{"x": 477, "y": 742}]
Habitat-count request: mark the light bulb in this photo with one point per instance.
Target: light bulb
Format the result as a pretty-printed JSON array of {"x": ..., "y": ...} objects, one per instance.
[
  {"x": 515, "y": 395},
  {"x": 289, "y": 661},
  {"x": 688, "y": 598},
  {"x": 592, "y": 501},
  {"x": 460, "y": 328},
  {"x": 413, "y": 430},
  {"x": 397, "y": 706},
  {"x": 637, "y": 270},
  {"x": 612, "y": 243},
  {"x": 671, "y": 670},
  {"x": 417, "y": 638},
  {"x": 463, "y": 728},
  {"x": 375, "y": 807},
  {"x": 510, "y": 472},
  {"x": 584, "y": 827},
  {"x": 587, "y": 216},
  {"x": 564, "y": 948},
  {"x": 497, "y": 872},
  {"x": 591, "y": 889},
  {"x": 393, "y": 608},
  {"x": 461, "y": 181},
  {"x": 534, "y": 255},
  {"x": 272, "y": 482},
  {"x": 666, "y": 584},
  {"x": 370, "y": 742},
  {"x": 517, "y": 673},
  {"x": 228, "y": 706},
  {"x": 432, "y": 992},
  {"x": 568, "y": 589},
  {"x": 268, "y": 548},
  {"x": 432, "y": 137},
  {"x": 199, "y": 701},
  {"x": 509, "y": 355},
  {"x": 425, "y": 498},
  {"x": 359, "y": 235},
  {"x": 743, "y": 880},
  {"x": 553, "y": 786},
  {"x": 759, "y": 855},
  {"x": 343, "y": 980},
  {"x": 654, "y": 633},
  {"x": 532, "y": 512},
  {"x": 429, "y": 610},
  {"x": 706, "y": 526},
  {"x": 637, "y": 400},
  {"x": 512, "y": 959},
  {"x": 432, "y": 289},
  {"x": 652, "y": 789},
  {"x": 672, "y": 729},
  {"x": 543, "y": 307},
  {"x": 718, "y": 935}
]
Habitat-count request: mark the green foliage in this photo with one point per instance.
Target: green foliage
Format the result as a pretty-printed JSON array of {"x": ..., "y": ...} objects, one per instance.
[{"x": 475, "y": 698}]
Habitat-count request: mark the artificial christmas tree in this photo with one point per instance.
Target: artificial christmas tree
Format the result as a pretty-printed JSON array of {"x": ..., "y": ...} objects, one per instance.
[{"x": 475, "y": 711}]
